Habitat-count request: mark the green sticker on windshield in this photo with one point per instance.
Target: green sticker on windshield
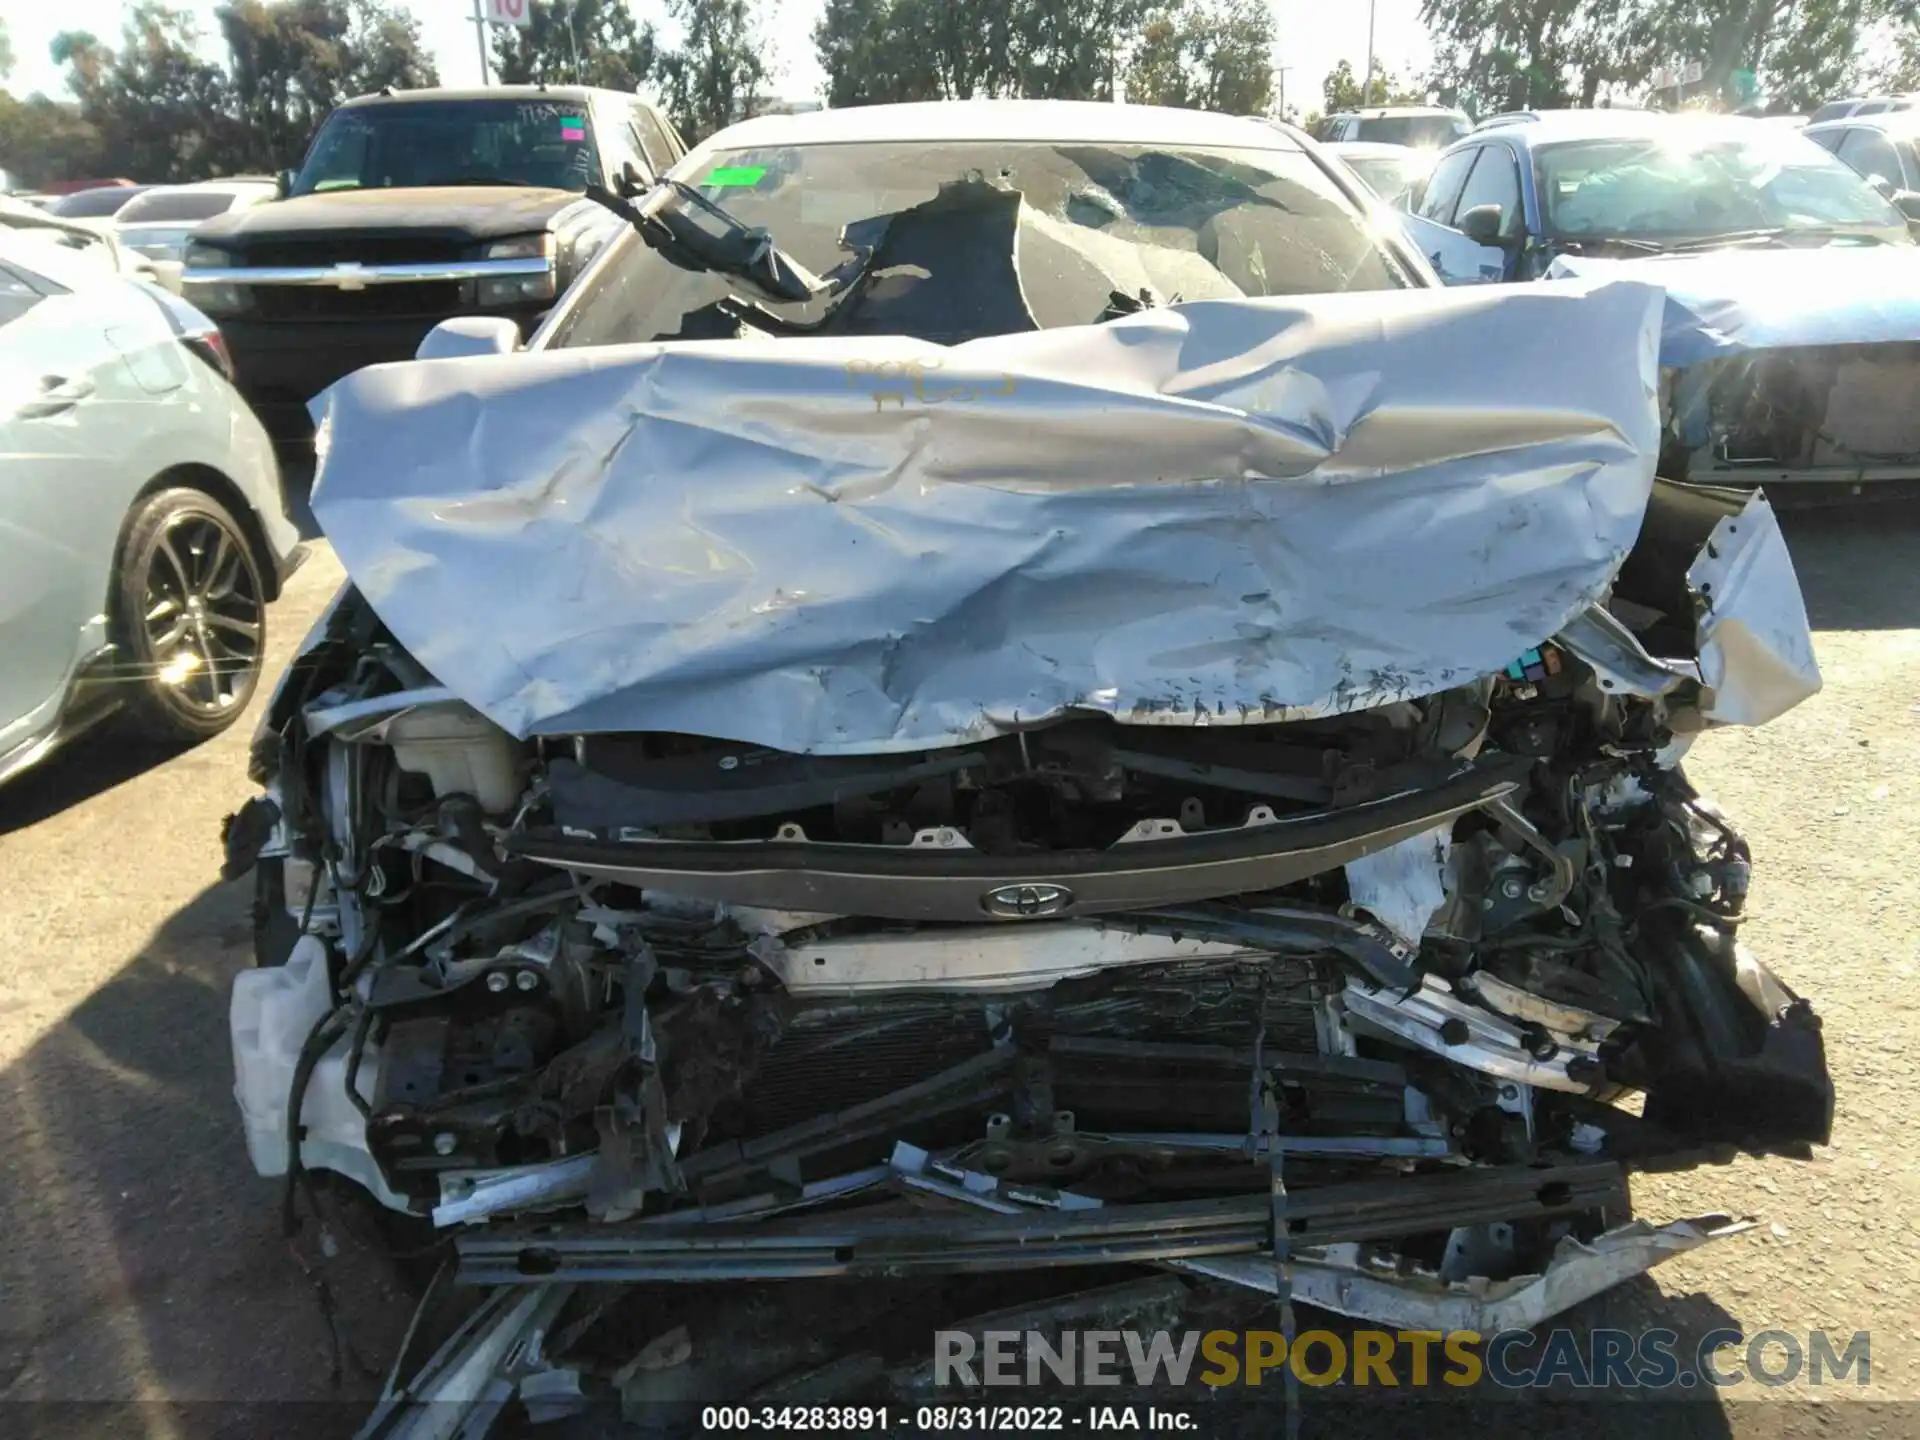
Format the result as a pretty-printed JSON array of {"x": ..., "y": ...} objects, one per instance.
[{"x": 737, "y": 175}]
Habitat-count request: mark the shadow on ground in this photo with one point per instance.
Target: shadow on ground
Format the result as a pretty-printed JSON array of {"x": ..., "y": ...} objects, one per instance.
[
  {"x": 143, "y": 1256},
  {"x": 90, "y": 764},
  {"x": 1859, "y": 566}
]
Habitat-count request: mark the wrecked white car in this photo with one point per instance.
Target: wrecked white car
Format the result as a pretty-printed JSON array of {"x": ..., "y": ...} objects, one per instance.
[{"x": 1198, "y": 790}]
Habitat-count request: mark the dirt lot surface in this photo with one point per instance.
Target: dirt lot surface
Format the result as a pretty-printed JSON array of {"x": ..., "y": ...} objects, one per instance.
[{"x": 141, "y": 1259}]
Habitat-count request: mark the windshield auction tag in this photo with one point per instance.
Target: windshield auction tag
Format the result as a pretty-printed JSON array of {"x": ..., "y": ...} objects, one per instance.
[
  {"x": 739, "y": 175},
  {"x": 573, "y": 128}
]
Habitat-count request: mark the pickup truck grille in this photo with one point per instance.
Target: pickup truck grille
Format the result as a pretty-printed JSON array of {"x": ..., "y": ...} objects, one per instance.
[
  {"x": 367, "y": 250},
  {"x": 423, "y": 298}
]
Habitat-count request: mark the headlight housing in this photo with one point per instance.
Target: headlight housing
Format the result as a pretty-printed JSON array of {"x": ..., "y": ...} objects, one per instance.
[
  {"x": 520, "y": 247},
  {"x": 508, "y": 290},
  {"x": 202, "y": 256},
  {"x": 218, "y": 299}
]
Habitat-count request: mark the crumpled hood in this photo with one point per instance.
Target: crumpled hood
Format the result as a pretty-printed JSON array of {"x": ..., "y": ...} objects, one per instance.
[
  {"x": 477, "y": 212},
  {"x": 1223, "y": 512},
  {"x": 1728, "y": 301}
]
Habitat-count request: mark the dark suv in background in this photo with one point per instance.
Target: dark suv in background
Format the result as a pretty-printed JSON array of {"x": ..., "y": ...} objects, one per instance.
[{"x": 411, "y": 207}]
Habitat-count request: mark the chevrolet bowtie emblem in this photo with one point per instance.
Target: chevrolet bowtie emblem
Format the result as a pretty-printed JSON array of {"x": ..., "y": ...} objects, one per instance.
[{"x": 349, "y": 275}]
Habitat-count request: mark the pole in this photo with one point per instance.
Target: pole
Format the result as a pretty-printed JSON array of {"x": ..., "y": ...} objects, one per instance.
[
  {"x": 480, "y": 37},
  {"x": 1366, "y": 80}
]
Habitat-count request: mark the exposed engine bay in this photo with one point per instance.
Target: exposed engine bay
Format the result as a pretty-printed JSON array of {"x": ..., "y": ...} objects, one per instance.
[
  {"x": 871, "y": 853},
  {"x": 1460, "y": 961}
]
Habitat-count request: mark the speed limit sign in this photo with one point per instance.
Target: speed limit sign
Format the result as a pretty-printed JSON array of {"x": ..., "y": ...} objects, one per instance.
[{"x": 509, "y": 12}]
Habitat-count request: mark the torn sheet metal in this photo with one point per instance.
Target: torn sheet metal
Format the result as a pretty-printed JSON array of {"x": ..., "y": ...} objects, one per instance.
[
  {"x": 1756, "y": 648},
  {"x": 1754, "y": 643},
  {"x": 1016, "y": 957},
  {"x": 462, "y": 1389},
  {"x": 1217, "y": 512},
  {"x": 1404, "y": 885},
  {"x": 1617, "y": 657},
  {"x": 1434, "y": 1019},
  {"x": 1337, "y": 1278},
  {"x": 1730, "y": 301}
]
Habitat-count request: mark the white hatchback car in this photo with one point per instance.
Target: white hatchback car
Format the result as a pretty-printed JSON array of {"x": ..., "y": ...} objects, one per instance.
[{"x": 143, "y": 529}]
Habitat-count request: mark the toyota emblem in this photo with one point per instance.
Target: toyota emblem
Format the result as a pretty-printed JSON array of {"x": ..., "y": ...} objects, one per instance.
[{"x": 1027, "y": 902}]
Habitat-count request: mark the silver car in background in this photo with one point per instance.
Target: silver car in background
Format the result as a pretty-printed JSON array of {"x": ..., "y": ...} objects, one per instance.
[
  {"x": 157, "y": 223},
  {"x": 142, "y": 525},
  {"x": 1392, "y": 172}
]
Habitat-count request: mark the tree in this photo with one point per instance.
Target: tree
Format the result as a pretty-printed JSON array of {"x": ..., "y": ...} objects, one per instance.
[
  {"x": 45, "y": 140},
  {"x": 1494, "y": 55},
  {"x": 875, "y": 53},
  {"x": 1341, "y": 89},
  {"x": 1205, "y": 55},
  {"x": 384, "y": 48},
  {"x": 716, "y": 75},
  {"x": 1800, "y": 51},
  {"x": 583, "y": 42},
  {"x": 293, "y": 61},
  {"x": 1519, "y": 54},
  {"x": 6, "y": 51},
  {"x": 885, "y": 50},
  {"x": 158, "y": 108},
  {"x": 1063, "y": 50},
  {"x": 1157, "y": 71},
  {"x": 1897, "y": 71}
]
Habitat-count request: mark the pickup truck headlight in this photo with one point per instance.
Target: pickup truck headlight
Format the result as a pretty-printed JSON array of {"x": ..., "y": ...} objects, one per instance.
[
  {"x": 215, "y": 298},
  {"x": 497, "y": 290},
  {"x": 521, "y": 247}
]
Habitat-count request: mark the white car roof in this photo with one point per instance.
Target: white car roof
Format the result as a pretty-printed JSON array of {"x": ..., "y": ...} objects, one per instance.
[
  {"x": 42, "y": 252},
  {"x": 133, "y": 216},
  {"x": 1084, "y": 121}
]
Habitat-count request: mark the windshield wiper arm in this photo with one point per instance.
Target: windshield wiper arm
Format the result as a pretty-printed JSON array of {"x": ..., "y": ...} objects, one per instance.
[
  {"x": 1732, "y": 237},
  {"x": 740, "y": 251},
  {"x": 1601, "y": 242}
]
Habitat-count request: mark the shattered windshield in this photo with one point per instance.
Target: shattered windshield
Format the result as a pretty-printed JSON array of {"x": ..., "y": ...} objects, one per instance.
[
  {"x": 544, "y": 143},
  {"x": 948, "y": 242},
  {"x": 1676, "y": 185}
]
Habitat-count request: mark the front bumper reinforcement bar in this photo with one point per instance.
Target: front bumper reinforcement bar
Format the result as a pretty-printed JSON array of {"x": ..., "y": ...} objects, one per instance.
[{"x": 892, "y": 1244}]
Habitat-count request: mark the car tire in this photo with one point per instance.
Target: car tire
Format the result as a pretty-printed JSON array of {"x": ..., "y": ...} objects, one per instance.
[{"x": 191, "y": 616}]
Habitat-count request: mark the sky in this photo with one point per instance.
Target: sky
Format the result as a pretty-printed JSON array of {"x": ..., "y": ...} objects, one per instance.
[{"x": 1315, "y": 35}]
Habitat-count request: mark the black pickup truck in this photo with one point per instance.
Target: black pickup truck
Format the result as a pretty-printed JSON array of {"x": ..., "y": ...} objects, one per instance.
[{"x": 413, "y": 206}]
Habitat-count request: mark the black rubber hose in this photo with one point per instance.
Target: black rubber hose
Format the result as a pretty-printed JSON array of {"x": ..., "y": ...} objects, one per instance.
[{"x": 319, "y": 1040}]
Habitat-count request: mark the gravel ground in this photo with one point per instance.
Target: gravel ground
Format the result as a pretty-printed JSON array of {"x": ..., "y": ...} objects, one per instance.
[{"x": 141, "y": 1260}]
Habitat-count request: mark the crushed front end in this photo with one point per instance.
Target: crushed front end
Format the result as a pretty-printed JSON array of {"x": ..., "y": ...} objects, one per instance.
[{"x": 1376, "y": 1003}]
